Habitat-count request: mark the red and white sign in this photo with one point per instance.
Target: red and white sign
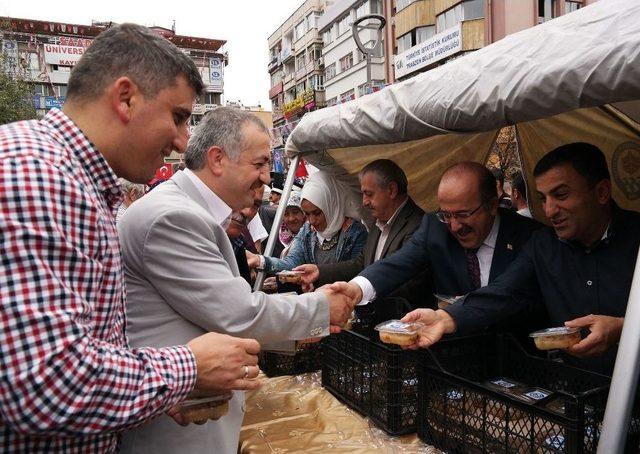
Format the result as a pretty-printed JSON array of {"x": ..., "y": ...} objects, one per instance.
[{"x": 57, "y": 54}]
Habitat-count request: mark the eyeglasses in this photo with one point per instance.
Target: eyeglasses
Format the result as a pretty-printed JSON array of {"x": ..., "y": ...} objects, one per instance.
[{"x": 446, "y": 217}]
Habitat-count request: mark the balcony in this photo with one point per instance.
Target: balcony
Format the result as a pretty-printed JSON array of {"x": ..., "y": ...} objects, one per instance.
[
  {"x": 286, "y": 54},
  {"x": 276, "y": 90},
  {"x": 306, "y": 69},
  {"x": 274, "y": 63}
]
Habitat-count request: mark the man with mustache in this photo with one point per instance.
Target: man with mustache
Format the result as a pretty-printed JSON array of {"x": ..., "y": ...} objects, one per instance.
[
  {"x": 582, "y": 268},
  {"x": 240, "y": 235},
  {"x": 465, "y": 245},
  {"x": 182, "y": 276}
]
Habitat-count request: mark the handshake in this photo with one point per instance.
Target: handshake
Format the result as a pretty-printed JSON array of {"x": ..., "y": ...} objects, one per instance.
[{"x": 342, "y": 297}]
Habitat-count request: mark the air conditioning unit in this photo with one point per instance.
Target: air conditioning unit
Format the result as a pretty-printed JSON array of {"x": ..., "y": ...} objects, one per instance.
[{"x": 320, "y": 61}]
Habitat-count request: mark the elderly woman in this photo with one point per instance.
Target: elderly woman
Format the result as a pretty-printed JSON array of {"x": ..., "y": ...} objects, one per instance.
[{"x": 330, "y": 234}]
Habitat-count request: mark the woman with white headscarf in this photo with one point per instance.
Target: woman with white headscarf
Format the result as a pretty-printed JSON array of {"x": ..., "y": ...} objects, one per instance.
[{"x": 330, "y": 235}]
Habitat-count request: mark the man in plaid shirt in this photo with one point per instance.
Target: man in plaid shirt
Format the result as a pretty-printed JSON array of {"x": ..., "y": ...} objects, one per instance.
[{"x": 68, "y": 381}]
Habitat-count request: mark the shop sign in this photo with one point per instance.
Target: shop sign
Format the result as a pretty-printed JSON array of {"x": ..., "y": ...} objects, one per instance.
[
  {"x": 440, "y": 46},
  {"x": 57, "y": 54},
  {"x": 216, "y": 72}
]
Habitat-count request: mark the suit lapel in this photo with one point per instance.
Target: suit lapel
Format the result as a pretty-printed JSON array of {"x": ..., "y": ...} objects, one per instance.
[
  {"x": 371, "y": 245},
  {"x": 398, "y": 225},
  {"x": 503, "y": 251}
]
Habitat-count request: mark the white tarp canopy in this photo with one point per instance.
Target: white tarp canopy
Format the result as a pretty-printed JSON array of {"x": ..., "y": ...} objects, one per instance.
[{"x": 554, "y": 81}]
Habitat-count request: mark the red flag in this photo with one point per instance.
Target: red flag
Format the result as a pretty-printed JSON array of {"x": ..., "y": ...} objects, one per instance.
[
  {"x": 165, "y": 172},
  {"x": 301, "y": 171}
]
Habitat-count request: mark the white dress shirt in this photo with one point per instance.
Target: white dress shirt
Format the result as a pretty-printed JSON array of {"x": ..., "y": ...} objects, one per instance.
[
  {"x": 220, "y": 211},
  {"x": 385, "y": 229},
  {"x": 256, "y": 229},
  {"x": 485, "y": 257}
]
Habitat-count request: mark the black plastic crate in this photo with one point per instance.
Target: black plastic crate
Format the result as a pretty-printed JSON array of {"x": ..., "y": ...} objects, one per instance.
[
  {"x": 377, "y": 380},
  {"x": 346, "y": 369},
  {"x": 308, "y": 358},
  {"x": 459, "y": 412}
]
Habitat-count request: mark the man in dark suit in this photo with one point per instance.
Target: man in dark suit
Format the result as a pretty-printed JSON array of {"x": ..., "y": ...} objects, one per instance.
[
  {"x": 465, "y": 245},
  {"x": 384, "y": 193}
]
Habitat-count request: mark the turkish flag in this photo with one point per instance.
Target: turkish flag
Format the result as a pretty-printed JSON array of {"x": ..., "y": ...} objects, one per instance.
[
  {"x": 165, "y": 172},
  {"x": 301, "y": 171}
]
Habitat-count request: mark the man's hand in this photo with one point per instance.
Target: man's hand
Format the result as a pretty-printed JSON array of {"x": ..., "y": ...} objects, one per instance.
[
  {"x": 350, "y": 290},
  {"x": 224, "y": 363},
  {"x": 311, "y": 274},
  {"x": 340, "y": 308},
  {"x": 253, "y": 260},
  {"x": 436, "y": 324},
  {"x": 605, "y": 332},
  {"x": 175, "y": 412}
]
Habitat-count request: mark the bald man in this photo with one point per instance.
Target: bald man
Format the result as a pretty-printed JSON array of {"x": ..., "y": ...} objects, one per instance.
[{"x": 465, "y": 245}]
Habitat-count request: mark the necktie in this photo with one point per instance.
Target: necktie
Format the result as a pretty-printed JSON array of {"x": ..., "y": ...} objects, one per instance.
[{"x": 473, "y": 265}]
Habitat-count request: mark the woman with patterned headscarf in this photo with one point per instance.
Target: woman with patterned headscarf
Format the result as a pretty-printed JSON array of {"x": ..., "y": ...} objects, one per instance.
[{"x": 331, "y": 233}]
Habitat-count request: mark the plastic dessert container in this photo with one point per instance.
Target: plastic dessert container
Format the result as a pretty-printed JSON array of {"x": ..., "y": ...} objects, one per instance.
[{"x": 556, "y": 338}]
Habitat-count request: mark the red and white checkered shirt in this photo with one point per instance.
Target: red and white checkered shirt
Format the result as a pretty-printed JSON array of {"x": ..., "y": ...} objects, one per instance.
[{"x": 68, "y": 382}]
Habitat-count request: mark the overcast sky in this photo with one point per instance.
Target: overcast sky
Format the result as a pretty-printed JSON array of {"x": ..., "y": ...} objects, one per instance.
[{"x": 244, "y": 24}]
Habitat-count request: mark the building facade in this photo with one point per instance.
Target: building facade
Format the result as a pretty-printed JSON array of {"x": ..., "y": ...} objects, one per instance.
[
  {"x": 345, "y": 72},
  {"x": 295, "y": 67},
  {"x": 428, "y": 33},
  {"x": 43, "y": 54}
]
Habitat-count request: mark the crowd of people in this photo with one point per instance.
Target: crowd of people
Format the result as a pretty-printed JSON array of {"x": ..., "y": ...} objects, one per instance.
[{"x": 113, "y": 312}]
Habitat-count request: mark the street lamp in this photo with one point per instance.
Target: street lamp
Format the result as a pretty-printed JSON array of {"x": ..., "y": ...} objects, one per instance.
[{"x": 375, "y": 22}]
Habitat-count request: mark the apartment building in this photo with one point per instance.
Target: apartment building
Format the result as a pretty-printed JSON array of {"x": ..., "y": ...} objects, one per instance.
[
  {"x": 43, "y": 54},
  {"x": 428, "y": 33},
  {"x": 345, "y": 75},
  {"x": 295, "y": 67}
]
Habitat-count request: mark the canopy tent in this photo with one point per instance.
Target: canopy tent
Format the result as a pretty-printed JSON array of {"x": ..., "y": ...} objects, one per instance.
[
  {"x": 552, "y": 81},
  {"x": 575, "y": 78}
]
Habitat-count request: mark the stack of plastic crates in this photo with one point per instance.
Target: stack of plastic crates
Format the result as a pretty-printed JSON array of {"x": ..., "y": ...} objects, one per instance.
[
  {"x": 465, "y": 406},
  {"x": 307, "y": 358}
]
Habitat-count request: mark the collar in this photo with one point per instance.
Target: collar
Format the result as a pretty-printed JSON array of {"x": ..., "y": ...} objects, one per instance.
[
  {"x": 220, "y": 211},
  {"x": 393, "y": 217},
  {"x": 95, "y": 165},
  {"x": 490, "y": 240}
]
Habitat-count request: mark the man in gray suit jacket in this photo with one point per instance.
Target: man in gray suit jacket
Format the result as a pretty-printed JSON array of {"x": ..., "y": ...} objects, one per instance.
[
  {"x": 182, "y": 276},
  {"x": 384, "y": 193}
]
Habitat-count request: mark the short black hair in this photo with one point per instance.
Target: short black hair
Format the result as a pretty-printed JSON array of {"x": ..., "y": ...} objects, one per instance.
[
  {"x": 587, "y": 159},
  {"x": 386, "y": 172},
  {"x": 517, "y": 182}
]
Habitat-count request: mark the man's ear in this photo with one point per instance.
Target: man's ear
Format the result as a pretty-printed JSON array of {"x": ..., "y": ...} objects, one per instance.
[
  {"x": 216, "y": 160},
  {"x": 603, "y": 191},
  {"x": 124, "y": 96},
  {"x": 393, "y": 189}
]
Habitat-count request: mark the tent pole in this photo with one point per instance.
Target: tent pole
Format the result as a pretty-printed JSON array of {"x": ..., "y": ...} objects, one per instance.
[
  {"x": 625, "y": 376},
  {"x": 275, "y": 228}
]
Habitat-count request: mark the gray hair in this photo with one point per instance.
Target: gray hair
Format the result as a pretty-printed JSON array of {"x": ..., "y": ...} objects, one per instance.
[
  {"x": 128, "y": 186},
  {"x": 386, "y": 172},
  {"x": 134, "y": 51},
  {"x": 222, "y": 127}
]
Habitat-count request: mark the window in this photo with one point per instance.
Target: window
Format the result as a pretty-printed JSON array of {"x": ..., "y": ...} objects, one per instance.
[
  {"x": 330, "y": 71},
  {"x": 344, "y": 24},
  {"x": 402, "y": 4},
  {"x": 60, "y": 91},
  {"x": 376, "y": 7},
  {"x": 571, "y": 6},
  {"x": 300, "y": 30},
  {"x": 424, "y": 33},
  {"x": 546, "y": 10},
  {"x": 300, "y": 88},
  {"x": 468, "y": 10},
  {"x": 405, "y": 42},
  {"x": 348, "y": 96},
  {"x": 327, "y": 37},
  {"x": 300, "y": 61},
  {"x": 312, "y": 20},
  {"x": 316, "y": 82},
  {"x": 212, "y": 98},
  {"x": 40, "y": 89},
  {"x": 332, "y": 101},
  {"x": 346, "y": 62},
  {"x": 362, "y": 10}
]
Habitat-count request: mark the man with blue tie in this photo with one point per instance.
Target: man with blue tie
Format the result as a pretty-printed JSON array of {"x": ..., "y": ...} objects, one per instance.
[{"x": 465, "y": 245}]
